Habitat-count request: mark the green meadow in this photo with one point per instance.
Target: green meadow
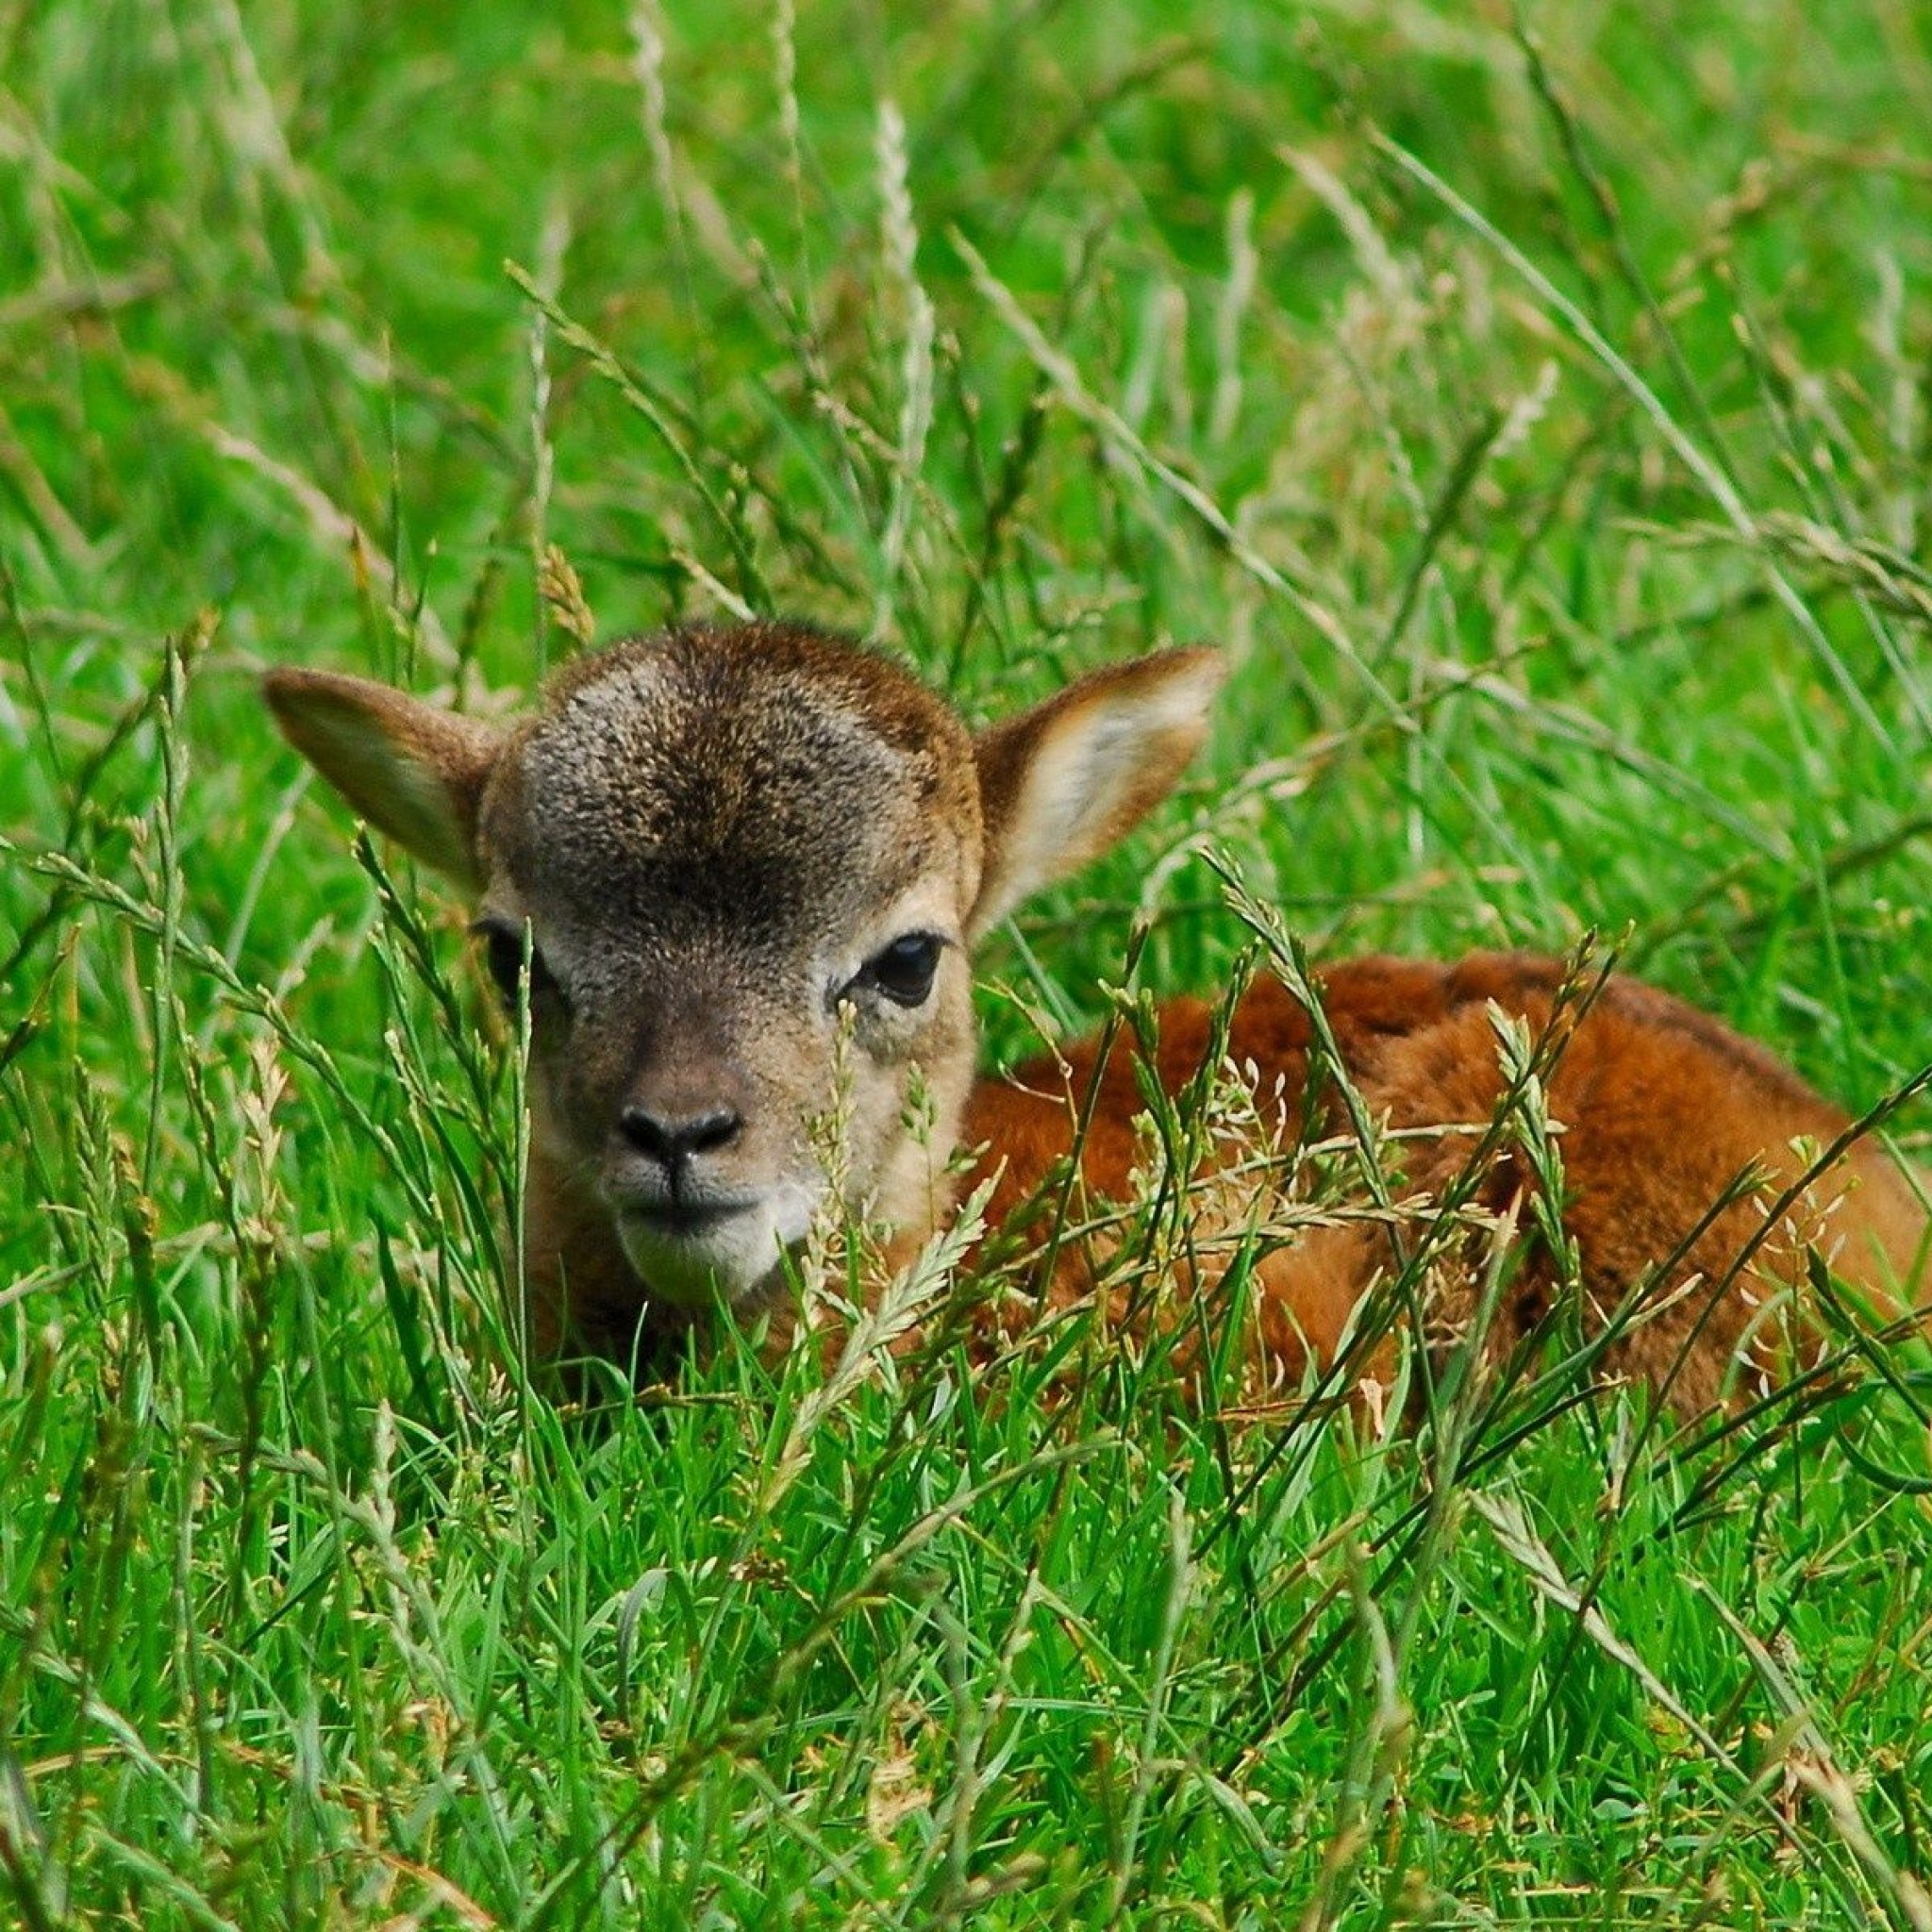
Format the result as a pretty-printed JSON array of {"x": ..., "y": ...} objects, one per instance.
[{"x": 1538, "y": 411}]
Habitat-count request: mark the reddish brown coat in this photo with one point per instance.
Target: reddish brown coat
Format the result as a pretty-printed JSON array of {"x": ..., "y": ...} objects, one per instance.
[{"x": 1662, "y": 1108}]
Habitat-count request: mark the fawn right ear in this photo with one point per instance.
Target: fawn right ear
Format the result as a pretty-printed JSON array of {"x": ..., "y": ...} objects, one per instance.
[
  {"x": 413, "y": 770},
  {"x": 1058, "y": 784}
]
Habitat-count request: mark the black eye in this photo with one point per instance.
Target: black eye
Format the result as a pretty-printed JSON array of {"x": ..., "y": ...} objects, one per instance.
[
  {"x": 503, "y": 946},
  {"x": 903, "y": 971}
]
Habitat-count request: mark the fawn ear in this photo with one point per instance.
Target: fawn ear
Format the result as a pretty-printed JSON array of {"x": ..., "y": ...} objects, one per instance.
[
  {"x": 413, "y": 770},
  {"x": 1058, "y": 784}
]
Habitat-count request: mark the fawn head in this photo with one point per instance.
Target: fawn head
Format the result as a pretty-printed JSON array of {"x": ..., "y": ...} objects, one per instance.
[{"x": 739, "y": 871}]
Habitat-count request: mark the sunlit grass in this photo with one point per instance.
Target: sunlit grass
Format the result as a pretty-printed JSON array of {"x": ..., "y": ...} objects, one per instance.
[{"x": 1539, "y": 426}]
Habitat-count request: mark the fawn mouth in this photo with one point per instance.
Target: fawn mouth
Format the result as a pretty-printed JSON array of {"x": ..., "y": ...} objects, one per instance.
[
  {"x": 690, "y": 1254},
  {"x": 682, "y": 1220}
]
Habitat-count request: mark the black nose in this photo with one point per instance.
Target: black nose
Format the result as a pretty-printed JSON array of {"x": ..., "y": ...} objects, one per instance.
[{"x": 674, "y": 1141}]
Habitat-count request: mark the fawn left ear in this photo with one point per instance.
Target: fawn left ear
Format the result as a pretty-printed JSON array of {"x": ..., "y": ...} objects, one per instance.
[
  {"x": 1060, "y": 783},
  {"x": 413, "y": 770}
]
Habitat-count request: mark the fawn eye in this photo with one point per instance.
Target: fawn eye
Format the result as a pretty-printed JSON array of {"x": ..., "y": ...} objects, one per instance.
[
  {"x": 503, "y": 953},
  {"x": 903, "y": 971}
]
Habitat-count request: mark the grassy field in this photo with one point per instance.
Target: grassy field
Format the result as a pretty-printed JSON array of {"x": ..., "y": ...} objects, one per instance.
[{"x": 1539, "y": 418}]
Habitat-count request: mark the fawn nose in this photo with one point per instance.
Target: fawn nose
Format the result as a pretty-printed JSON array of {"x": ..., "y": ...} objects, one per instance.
[{"x": 674, "y": 1140}]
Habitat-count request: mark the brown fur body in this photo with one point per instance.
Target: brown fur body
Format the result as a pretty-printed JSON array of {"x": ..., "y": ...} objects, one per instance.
[{"x": 1662, "y": 1109}]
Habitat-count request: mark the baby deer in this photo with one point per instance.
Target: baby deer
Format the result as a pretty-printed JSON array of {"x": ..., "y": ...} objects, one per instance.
[{"x": 743, "y": 870}]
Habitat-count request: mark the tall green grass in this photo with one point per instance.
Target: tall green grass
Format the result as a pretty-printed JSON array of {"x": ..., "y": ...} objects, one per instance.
[{"x": 1538, "y": 417}]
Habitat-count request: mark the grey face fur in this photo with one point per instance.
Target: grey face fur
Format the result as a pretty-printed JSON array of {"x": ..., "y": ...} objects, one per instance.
[
  {"x": 716, "y": 858},
  {"x": 748, "y": 863}
]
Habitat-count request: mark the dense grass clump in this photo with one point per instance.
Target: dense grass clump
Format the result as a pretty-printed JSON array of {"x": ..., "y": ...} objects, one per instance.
[{"x": 1537, "y": 415}]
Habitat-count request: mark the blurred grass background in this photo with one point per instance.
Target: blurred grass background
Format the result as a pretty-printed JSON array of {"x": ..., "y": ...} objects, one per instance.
[{"x": 1534, "y": 409}]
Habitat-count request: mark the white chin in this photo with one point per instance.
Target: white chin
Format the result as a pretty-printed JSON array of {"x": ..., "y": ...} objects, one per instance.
[{"x": 727, "y": 1263}]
